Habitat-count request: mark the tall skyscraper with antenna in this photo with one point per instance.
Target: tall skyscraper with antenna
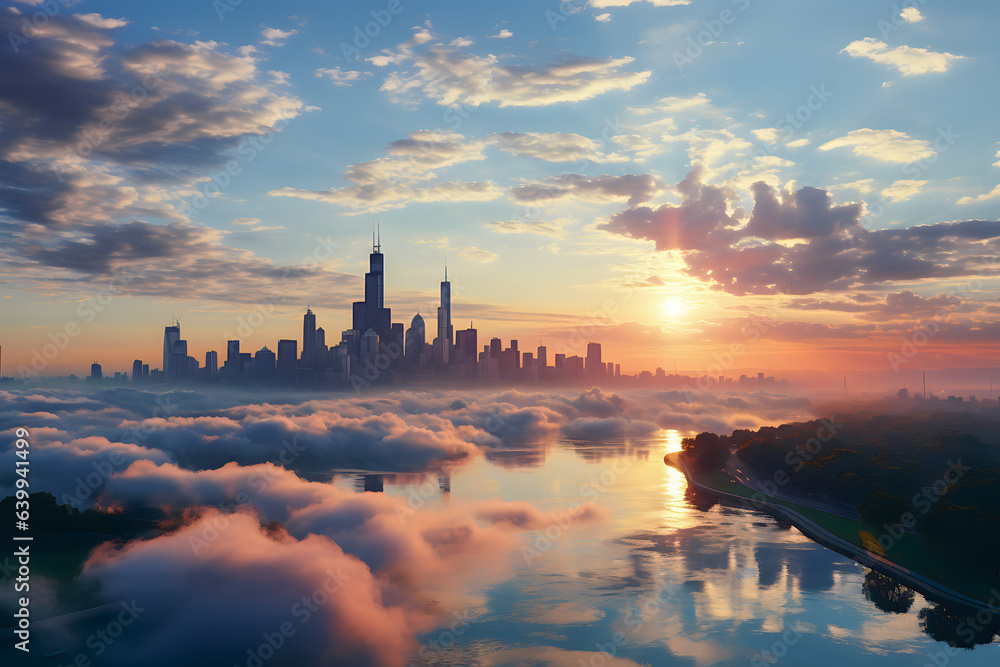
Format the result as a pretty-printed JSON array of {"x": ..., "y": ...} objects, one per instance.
[
  {"x": 372, "y": 313},
  {"x": 445, "y": 335},
  {"x": 308, "y": 335}
]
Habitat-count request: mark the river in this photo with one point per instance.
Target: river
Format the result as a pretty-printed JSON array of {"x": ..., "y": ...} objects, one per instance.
[{"x": 670, "y": 578}]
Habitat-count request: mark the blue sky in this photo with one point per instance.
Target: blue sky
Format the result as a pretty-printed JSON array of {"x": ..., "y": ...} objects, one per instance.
[{"x": 537, "y": 148}]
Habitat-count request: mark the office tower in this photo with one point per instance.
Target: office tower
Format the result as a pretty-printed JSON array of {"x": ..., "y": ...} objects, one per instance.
[
  {"x": 232, "y": 367},
  {"x": 246, "y": 362},
  {"x": 95, "y": 371},
  {"x": 309, "y": 335},
  {"x": 496, "y": 347},
  {"x": 319, "y": 349},
  {"x": 171, "y": 335},
  {"x": 760, "y": 378},
  {"x": 559, "y": 362},
  {"x": 212, "y": 366},
  {"x": 137, "y": 371},
  {"x": 517, "y": 356},
  {"x": 416, "y": 336},
  {"x": 618, "y": 370},
  {"x": 542, "y": 356},
  {"x": 233, "y": 352},
  {"x": 445, "y": 336},
  {"x": 594, "y": 366},
  {"x": 287, "y": 358},
  {"x": 573, "y": 368},
  {"x": 145, "y": 371},
  {"x": 264, "y": 364},
  {"x": 372, "y": 313},
  {"x": 190, "y": 365},
  {"x": 396, "y": 346},
  {"x": 178, "y": 361},
  {"x": 466, "y": 346}
]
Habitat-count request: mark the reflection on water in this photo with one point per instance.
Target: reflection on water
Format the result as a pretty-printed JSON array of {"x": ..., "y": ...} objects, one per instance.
[{"x": 677, "y": 578}]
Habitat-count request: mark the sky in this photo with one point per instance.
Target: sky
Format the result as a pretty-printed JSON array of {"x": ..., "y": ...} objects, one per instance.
[{"x": 812, "y": 185}]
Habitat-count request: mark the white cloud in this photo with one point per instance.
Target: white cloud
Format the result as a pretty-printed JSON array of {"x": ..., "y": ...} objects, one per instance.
[
  {"x": 554, "y": 229},
  {"x": 883, "y": 145},
  {"x": 99, "y": 21},
  {"x": 908, "y": 60},
  {"x": 276, "y": 37},
  {"x": 341, "y": 77},
  {"x": 601, "y": 4},
  {"x": 992, "y": 194},
  {"x": 902, "y": 190},
  {"x": 997, "y": 163},
  {"x": 246, "y": 221},
  {"x": 769, "y": 135},
  {"x": 554, "y": 147},
  {"x": 450, "y": 76},
  {"x": 503, "y": 34},
  {"x": 381, "y": 197},
  {"x": 798, "y": 143},
  {"x": 863, "y": 186},
  {"x": 603, "y": 18},
  {"x": 911, "y": 15}
]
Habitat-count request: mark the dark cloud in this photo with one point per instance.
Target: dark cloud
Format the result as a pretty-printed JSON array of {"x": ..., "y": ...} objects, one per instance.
[{"x": 802, "y": 242}]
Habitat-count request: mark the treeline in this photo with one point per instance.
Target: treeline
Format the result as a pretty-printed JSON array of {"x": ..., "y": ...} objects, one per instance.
[{"x": 937, "y": 474}]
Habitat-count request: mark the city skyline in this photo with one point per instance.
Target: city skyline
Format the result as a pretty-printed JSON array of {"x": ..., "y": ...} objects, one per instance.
[{"x": 621, "y": 168}]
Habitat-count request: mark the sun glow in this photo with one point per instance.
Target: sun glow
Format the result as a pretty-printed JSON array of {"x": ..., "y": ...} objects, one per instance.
[{"x": 674, "y": 308}]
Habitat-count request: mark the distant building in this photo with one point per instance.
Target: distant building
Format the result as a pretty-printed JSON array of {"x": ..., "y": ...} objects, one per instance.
[{"x": 95, "y": 371}]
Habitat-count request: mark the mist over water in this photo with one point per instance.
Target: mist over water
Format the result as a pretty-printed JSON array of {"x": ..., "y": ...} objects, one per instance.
[{"x": 434, "y": 528}]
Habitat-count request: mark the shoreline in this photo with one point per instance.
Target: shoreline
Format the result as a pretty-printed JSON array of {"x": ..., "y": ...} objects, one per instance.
[{"x": 924, "y": 585}]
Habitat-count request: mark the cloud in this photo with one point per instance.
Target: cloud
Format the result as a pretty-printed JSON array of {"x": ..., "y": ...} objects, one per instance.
[
  {"x": 340, "y": 77},
  {"x": 555, "y": 229},
  {"x": 601, "y": 4},
  {"x": 992, "y": 194},
  {"x": 883, "y": 145},
  {"x": 276, "y": 37},
  {"x": 369, "y": 198},
  {"x": 903, "y": 190},
  {"x": 247, "y": 222},
  {"x": 801, "y": 242},
  {"x": 450, "y": 76},
  {"x": 632, "y": 188},
  {"x": 99, "y": 21},
  {"x": 911, "y": 15},
  {"x": 554, "y": 147},
  {"x": 907, "y": 60},
  {"x": 125, "y": 133},
  {"x": 503, "y": 34},
  {"x": 603, "y": 18}
]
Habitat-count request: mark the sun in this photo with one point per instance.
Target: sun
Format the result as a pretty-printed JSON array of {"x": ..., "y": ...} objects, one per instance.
[{"x": 674, "y": 308}]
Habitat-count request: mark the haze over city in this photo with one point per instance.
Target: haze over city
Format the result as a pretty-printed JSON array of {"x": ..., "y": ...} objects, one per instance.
[{"x": 596, "y": 333}]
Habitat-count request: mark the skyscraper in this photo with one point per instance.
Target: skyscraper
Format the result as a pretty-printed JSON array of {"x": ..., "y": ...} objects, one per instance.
[
  {"x": 137, "y": 370},
  {"x": 212, "y": 366},
  {"x": 595, "y": 368},
  {"x": 170, "y": 336},
  {"x": 445, "y": 333},
  {"x": 287, "y": 357},
  {"x": 416, "y": 337},
  {"x": 372, "y": 313},
  {"x": 309, "y": 335}
]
